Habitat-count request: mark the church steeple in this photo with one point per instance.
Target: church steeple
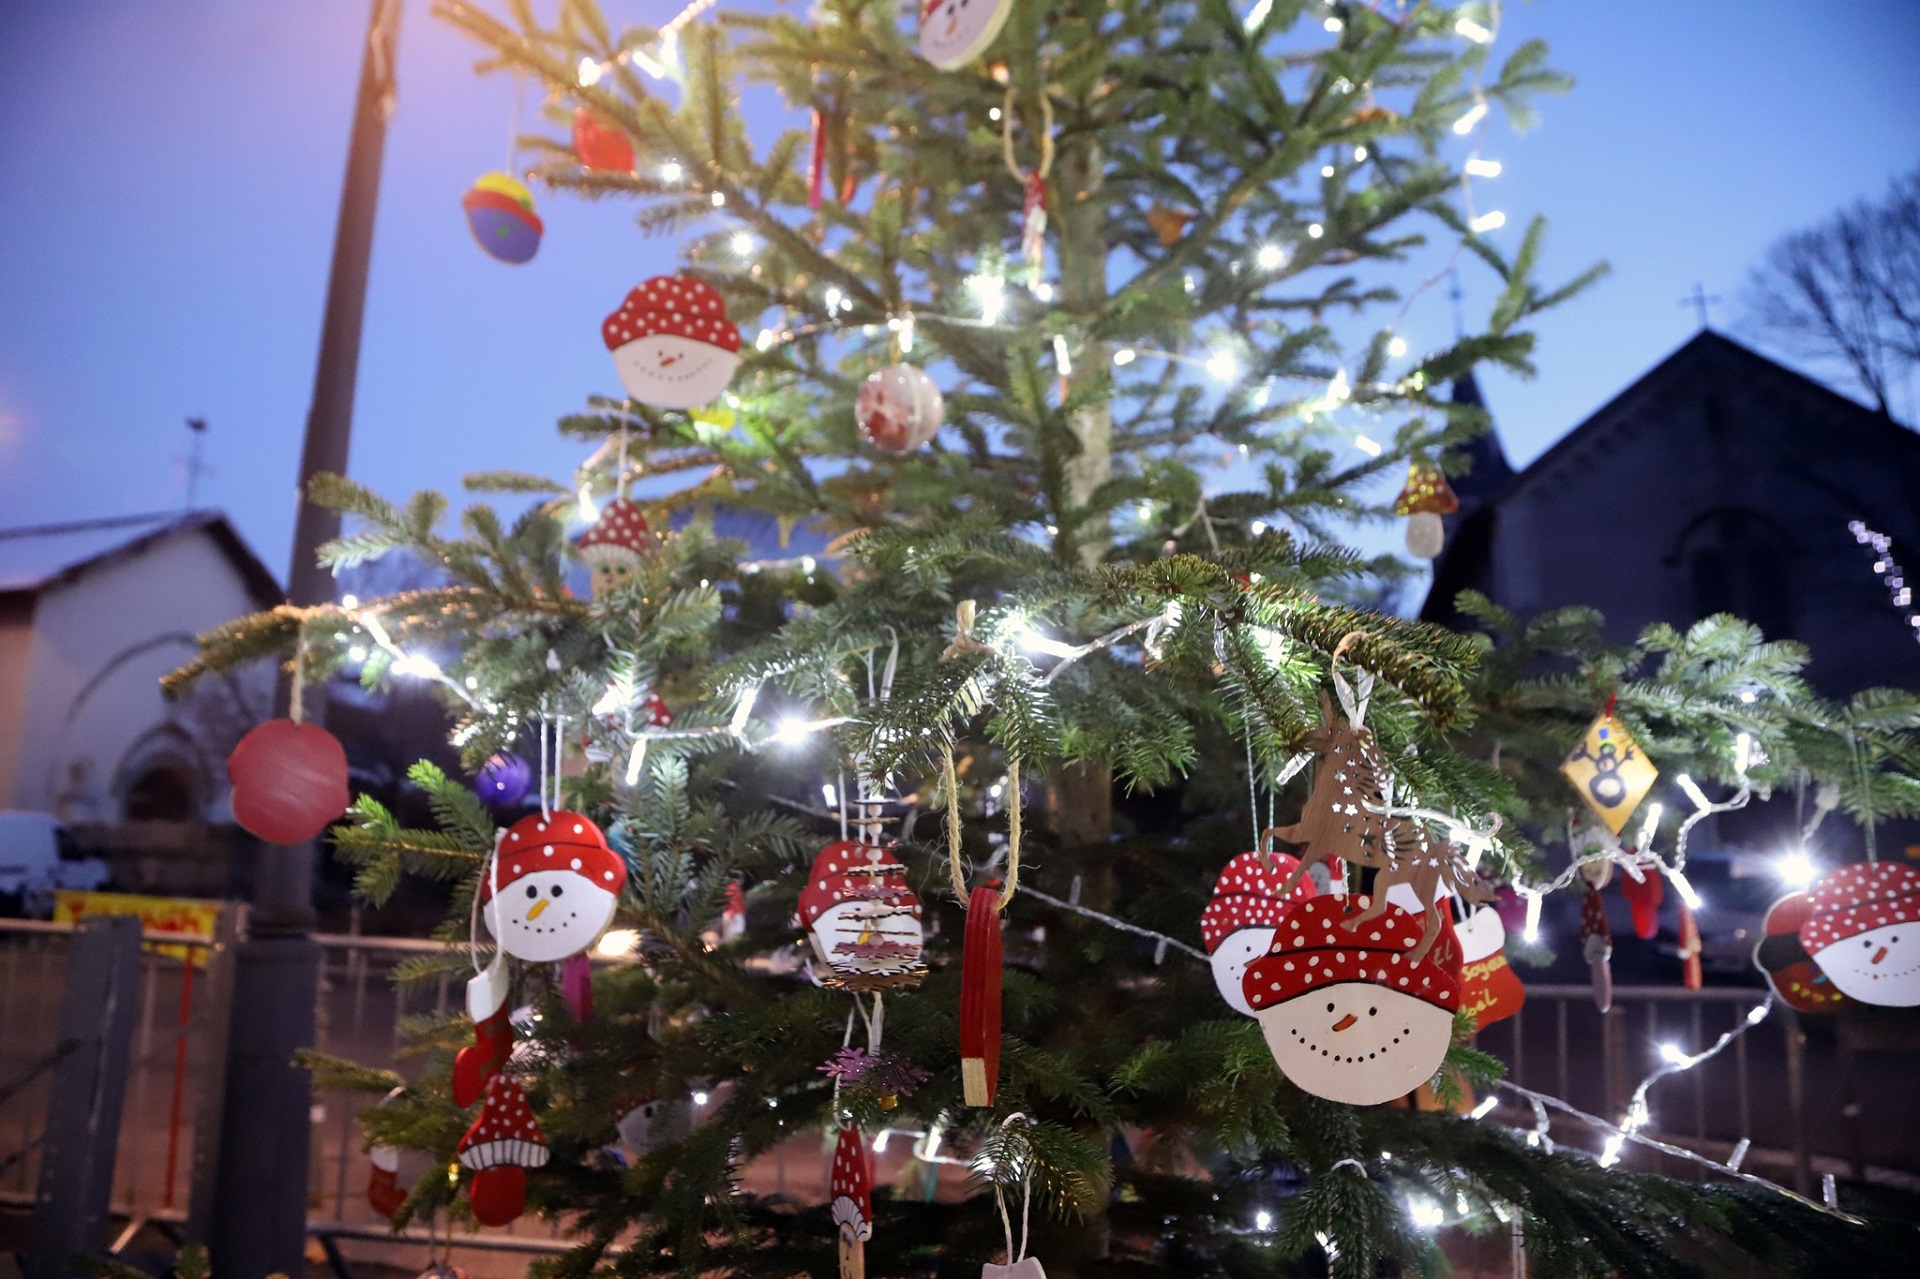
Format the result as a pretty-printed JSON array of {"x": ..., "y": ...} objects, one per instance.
[{"x": 1491, "y": 470}]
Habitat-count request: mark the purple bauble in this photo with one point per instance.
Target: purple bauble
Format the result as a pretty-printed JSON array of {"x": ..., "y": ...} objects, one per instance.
[{"x": 503, "y": 781}]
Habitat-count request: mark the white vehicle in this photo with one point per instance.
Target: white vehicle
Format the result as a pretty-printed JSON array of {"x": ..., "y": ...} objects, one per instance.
[{"x": 37, "y": 859}]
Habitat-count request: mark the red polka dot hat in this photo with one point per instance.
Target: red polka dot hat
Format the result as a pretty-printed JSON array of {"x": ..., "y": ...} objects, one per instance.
[
  {"x": 674, "y": 304},
  {"x": 1247, "y": 895},
  {"x": 852, "y": 1185},
  {"x": 1859, "y": 898},
  {"x": 1314, "y": 950},
  {"x": 558, "y": 841},
  {"x": 621, "y": 532},
  {"x": 846, "y": 871}
]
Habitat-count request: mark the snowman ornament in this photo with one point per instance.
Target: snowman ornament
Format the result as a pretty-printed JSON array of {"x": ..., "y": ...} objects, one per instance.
[
  {"x": 1239, "y": 922},
  {"x": 863, "y": 919},
  {"x": 1346, "y": 1015},
  {"x": 1864, "y": 932},
  {"x": 552, "y": 887},
  {"x": 955, "y": 32},
  {"x": 672, "y": 342}
]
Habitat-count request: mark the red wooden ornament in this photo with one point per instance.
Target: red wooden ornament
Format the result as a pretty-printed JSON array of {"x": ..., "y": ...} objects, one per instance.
[
  {"x": 1789, "y": 969},
  {"x": 600, "y": 143},
  {"x": 1596, "y": 943},
  {"x": 501, "y": 1145},
  {"x": 1643, "y": 898},
  {"x": 852, "y": 1186},
  {"x": 289, "y": 781},
  {"x": 1690, "y": 973},
  {"x": 980, "y": 999},
  {"x": 385, "y": 1194},
  {"x": 1489, "y": 988}
]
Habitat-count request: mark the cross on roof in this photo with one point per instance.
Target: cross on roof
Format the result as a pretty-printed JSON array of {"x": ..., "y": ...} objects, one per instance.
[{"x": 1700, "y": 300}]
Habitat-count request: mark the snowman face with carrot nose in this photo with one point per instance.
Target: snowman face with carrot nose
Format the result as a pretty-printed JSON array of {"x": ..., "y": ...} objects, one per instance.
[
  {"x": 552, "y": 888},
  {"x": 955, "y": 32},
  {"x": 1863, "y": 930},
  {"x": 1880, "y": 966}
]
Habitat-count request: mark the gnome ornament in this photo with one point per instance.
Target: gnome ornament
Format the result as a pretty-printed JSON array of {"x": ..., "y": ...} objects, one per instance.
[
  {"x": 672, "y": 342},
  {"x": 1350, "y": 1015},
  {"x": 898, "y": 409},
  {"x": 1644, "y": 892},
  {"x": 289, "y": 781},
  {"x": 614, "y": 547},
  {"x": 955, "y": 32},
  {"x": 501, "y": 1145},
  {"x": 1489, "y": 988},
  {"x": 852, "y": 1186},
  {"x": 862, "y": 918},
  {"x": 1423, "y": 501},
  {"x": 552, "y": 887},
  {"x": 1795, "y": 978},
  {"x": 1239, "y": 922},
  {"x": 1863, "y": 930}
]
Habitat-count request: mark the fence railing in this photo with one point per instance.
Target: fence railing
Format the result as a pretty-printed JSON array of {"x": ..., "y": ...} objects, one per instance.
[{"x": 1559, "y": 1043}]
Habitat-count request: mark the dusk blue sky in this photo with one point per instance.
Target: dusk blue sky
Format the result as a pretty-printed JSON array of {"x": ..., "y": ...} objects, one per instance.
[{"x": 172, "y": 173}]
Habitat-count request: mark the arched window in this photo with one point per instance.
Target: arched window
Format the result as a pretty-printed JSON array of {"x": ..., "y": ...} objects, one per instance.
[
  {"x": 1739, "y": 561},
  {"x": 161, "y": 794}
]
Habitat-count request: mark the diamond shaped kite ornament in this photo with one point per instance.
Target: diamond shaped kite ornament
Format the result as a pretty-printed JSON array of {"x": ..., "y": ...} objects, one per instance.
[{"x": 1610, "y": 771}]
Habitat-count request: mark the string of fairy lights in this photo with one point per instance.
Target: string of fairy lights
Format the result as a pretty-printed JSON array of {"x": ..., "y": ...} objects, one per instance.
[{"x": 1888, "y": 569}]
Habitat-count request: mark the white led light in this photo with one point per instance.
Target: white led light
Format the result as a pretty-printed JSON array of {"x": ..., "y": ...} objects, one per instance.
[
  {"x": 1796, "y": 870},
  {"x": 1333, "y": 24},
  {"x": 1611, "y": 1155},
  {"x": 1473, "y": 31},
  {"x": 807, "y": 565},
  {"x": 699, "y": 1099},
  {"x": 1315, "y": 230},
  {"x": 833, "y": 299},
  {"x": 1484, "y": 1109},
  {"x": 1257, "y": 528},
  {"x": 610, "y": 701},
  {"x": 830, "y": 795},
  {"x": 358, "y": 653},
  {"x": 1532, "y": 930},
  {"x": 1062, "y": 360},
  {"x": 1687, "y": 895},
  {"x": 1270, "y": 258},
  {"x": 1396, "y": 347},
  {"x": 993, "y": 113},
  {"x": 588, "y": 511},
  {"x": 880, "y": 1141},
  {"x": 1483, "y": 168},
  {"x": 1367, "y": 446},
  {"x": 1144, "y": 510},
  {"x": 1223, "y": 365},
  {"x": 588, "y": 73},
  {"x": 742, "y": 243},
  {"x": 413, "y": 664},
  {"x": 1326, "y": 170},
  {"x": 1258, "y": 14},
  {"x": 1425, "y": 1213},
  {"x": 671, "y": 171},
  {"x": 1675, "y": 1055},
  {"x": 990, "y": 291},
  {"x": 616, "y": 942},
  {"x": 1123, "y": 357},
  {"x": 1475, "y": 114},
  {"x": 1488, "y": 222},
  {"x": 1263, "y": 1220},
  {"x": 349, "y": 602},
  {"x": 792, "y": 731},
  {"x": 1042, "y": 290},
  {"x": 764, "y": 341},
  {"x": 1359, "y": 155}
]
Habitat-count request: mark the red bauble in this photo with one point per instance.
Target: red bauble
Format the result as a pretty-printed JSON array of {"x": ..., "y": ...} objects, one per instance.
[
  {"x": 289, "y": 781},
  {"x": 898, "y": 409},
  {"x": 980, "y": 999},
  {"x": 601, "y": 144}
]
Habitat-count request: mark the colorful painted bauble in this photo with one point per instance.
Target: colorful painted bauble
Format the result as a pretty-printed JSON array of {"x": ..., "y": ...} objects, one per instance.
[
  {"x": 1863, "y": 930},
  {"x": 1238, "y": 924},
  {"x": 898, "y": 409},
  {"x": 289, "y": 781},
  {"x": 600, "y": 143},
  {"x": 1795, "y": 978},
  {"x": 1345, "y": 1013},
  {"x": 504, "y": 780},
  {"x": 862, "y": 918},
  {"x": 500, "y": 215},
  {"x": 955, "y": 32},
  {"x": 672, "y": 342},
  {"x": 552, "y": 888}
]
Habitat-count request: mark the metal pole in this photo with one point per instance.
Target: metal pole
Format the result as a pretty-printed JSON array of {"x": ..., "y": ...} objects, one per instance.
[{"x": 259, "y": 1210}]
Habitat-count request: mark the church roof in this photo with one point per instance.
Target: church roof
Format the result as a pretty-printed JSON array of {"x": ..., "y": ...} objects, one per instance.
[{"x": 36, "y": 558}]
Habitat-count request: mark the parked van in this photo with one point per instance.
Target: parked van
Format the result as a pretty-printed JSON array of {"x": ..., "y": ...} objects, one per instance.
[{"x": 37, "y": 859}]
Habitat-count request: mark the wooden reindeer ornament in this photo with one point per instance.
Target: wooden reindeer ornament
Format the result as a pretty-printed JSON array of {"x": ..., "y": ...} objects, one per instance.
[{"x": 1348, "y": 817}]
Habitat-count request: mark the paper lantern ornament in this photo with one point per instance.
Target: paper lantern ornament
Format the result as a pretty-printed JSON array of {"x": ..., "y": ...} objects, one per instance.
[
  {"x": 1489, "y": 988},
  {"x": 501, "y": 1145},
  {"x": 503, "y": 781},
  {"x": 1238, "y": 924},
  {"x": 955, "y": 32},
  {"x": 553, "y": 887},
  {"x": 1863, "y": 930},
  {"x": 614, "y": 547},
  {"x": 1795, "y": 978},
  {"x": 852, "y": 1187},
  {"x": 289, "y": 781},
  {"x": 500, "y": 215},
  {"x": 1644, "y": 895},
  {"x": 672, "y": 342},
  {"x": 1351, "y": 1015},
  {"x": 1596, "y": 946},
  {"x": 863, "y": 919},
  {"x": 898, "y": 409},
  {"x": 1610, "y": 771},
  {"x": 600, "y": 143},
  {"x": 980, "y": 977},
  {"x": 1426, "y": 497}
]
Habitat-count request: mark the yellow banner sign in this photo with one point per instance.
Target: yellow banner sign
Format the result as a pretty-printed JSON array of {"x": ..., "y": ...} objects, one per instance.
[{"x": 156, "y": 914}]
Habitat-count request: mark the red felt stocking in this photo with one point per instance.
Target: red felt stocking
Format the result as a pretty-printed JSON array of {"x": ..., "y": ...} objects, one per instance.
[
  {"x": 1643, "y": 898},
  {"x": 477, "y": 1062}
]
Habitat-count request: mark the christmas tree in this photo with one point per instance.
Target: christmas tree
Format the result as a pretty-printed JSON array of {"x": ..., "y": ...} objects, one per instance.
[{"x": 1121, "y": 239}]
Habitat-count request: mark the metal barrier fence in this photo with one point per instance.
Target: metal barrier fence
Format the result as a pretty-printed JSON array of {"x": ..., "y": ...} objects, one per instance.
[{"x": 1559, "y": 1043}]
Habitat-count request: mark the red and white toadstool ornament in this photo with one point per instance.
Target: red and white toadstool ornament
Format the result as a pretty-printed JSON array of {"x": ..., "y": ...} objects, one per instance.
[
  {"x": 1239, "y": 922},
  {"x": 614, "y": 547},
  {"x": 852, "y": 1186},
  {"x": 289, "y": 781},
  {"x": 501, "y": 1145},
  {"x": 863, "y": 919},
  {"x": 1345, "y": 1013},
  {"x": 1863, "y": 930},
  {"x": 898, "y": 409},
  {"x": 552, "y": 887},
  {"x": 672, "y": 342},
  {"x": 1423, "y": 501}
]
